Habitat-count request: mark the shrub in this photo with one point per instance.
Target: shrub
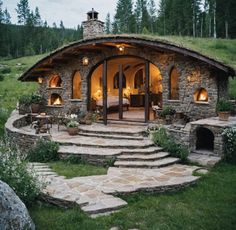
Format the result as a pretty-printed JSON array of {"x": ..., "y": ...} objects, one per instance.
[
  {"x": 1, "y": 77},
  {"x": 167, "y": 110},
  {"x": 4, "y": 113},
  {"x": 37, "y": 99},
  {"x": 6, "y": 70},
  {"x": 78, "y": 159},
  {"x": 25, "y": 99},
  {"x": 13, "y": 171},
  {"x": 229, "y": 135},
  {"x": 223, "y": 105},
  {"x": 43, "y": 151},
  {"x": 72, "y": 124},
  {"x": 161, "y": 138}
]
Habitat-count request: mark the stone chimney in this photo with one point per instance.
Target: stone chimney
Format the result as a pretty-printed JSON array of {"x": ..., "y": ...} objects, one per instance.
[{"x": 92, "y": 27}]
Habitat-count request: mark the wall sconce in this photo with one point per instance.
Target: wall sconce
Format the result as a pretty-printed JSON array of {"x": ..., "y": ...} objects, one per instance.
[
  {"x": 121, "y": 48},
  {"x": 85, "y": 61},
  {"x": 40, "y": 80},
  {"x": 189, "y": 79}
]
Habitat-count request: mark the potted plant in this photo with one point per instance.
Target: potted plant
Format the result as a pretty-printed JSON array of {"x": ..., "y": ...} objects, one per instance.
[
  {"x": 24, "y": 104},
  {"x": 73, "y": 127},
  {"x": 36, "y": 102},
  {"x": 223, "y": 108},
  {"x": 167, "y": 113}
]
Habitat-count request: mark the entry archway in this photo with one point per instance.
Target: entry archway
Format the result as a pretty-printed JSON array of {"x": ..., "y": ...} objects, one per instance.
[{"x": 135, "y": 102}]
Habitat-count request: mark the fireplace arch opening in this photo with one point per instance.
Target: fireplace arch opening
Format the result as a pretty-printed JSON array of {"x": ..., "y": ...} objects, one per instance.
[
  {"x": 201, "y": 95},
  {"x": 55, "y": 100},
  {"x": 205, "y": 139}
]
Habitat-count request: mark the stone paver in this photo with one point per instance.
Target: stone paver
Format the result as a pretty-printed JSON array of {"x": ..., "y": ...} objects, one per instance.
[
  {"x": 203, "y": 159},
  {"x": 96, "y": 194}
]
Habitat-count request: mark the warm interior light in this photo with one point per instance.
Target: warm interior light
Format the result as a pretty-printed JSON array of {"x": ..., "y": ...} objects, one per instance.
[
  {"x": 55, "y": 99},
  {"x": 85, "y": 61},
  {"x": 201, "y": 95},
  {"x": 57, "y": 102},
  {"x": 121, "y": 48},
  {"x": 40, "y": 80}
]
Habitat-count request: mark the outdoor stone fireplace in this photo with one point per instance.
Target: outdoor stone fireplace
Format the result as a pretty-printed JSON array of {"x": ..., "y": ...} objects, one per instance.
[
  {"x": 55, "y": 100},
  {"x": 201, "y": 95},
  {"x": 204, "y": 139}
]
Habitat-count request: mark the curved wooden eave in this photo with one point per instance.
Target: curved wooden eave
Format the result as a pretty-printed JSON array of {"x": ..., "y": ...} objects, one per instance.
[{"x": 73, "y": 48}]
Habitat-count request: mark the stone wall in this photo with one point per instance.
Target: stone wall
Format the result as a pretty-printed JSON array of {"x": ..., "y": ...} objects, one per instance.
[
  {"x": 92, "y": 28},
  {"x": 193, "y": 75},
  {"x": 19, "y": 137}
]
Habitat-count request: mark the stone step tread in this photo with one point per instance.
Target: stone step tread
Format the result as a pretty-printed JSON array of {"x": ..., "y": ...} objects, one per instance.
[
  {"x": 112, "y": 136},
  {"x": 118, "y": 129},
  {"x": 74, "y": 149},
  {"x": 156, "y": 163},
  {"x": 153, "y": 156},
  {"x": 104, "y": 205},
  {"x": 97, "y": 142}
]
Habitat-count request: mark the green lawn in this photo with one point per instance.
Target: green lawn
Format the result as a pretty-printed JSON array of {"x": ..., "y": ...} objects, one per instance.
[
  {"x": 74, "y": 170},
  {"x": 210, "y": 204}
]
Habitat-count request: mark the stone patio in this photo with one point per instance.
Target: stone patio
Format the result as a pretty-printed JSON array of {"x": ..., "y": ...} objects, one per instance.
[{"x": 96, "y": 195}]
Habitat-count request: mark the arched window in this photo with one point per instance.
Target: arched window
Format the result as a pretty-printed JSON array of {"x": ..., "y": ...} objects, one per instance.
[
  {"x": 138, "y": 79},
  {"x": 174, "y": 84},
  {"x": 116, "y": 81},
  {"x": 77, "y": 86},
  {"x": 54, "y": 81}
]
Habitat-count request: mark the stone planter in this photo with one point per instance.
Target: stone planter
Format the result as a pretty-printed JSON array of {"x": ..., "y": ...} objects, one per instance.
[
  {"x": 223, "y": 116},
  {"x": 72, "y": 130}
]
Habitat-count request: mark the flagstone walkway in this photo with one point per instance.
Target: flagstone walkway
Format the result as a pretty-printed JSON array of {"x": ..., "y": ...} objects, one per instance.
[{"x": 96, "y": 195}]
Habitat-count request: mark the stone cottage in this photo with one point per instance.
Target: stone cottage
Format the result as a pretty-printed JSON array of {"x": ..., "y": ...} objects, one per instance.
[{"x": 125, "y": 76}]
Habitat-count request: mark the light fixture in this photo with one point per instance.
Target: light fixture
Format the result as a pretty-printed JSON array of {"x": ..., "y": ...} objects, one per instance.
[
  {"x": 85, "y": 61},
  {"x": 40, "y": 80},
  {"x": 121, "y": 48}
]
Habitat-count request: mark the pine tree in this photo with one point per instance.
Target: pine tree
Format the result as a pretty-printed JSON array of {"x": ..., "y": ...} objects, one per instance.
[
  {"x": 23, "y": 11},
  {"x": 108, "y": 24},
  {"x": 153, "y": 16},
  {"x": 37, "y": 17},
  {"x": 6, "y": 17},
  {"x": 124, "y": 16},
  {"x": 1, "y": 12}
]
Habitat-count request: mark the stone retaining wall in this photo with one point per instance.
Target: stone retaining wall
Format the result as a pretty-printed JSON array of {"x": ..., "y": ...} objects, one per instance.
[{"x": 19, "y": 137}]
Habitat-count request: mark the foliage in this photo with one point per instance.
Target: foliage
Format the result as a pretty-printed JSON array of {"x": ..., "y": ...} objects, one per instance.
[
  {"x": 161, "y": 138},
  {"x": 109, "y": 162},
  {"x": 229, "y": 135},
  {"x": 13, "y": 171},
  {"x": 74, "y": 159},
  {"x": 1, "y": 77},
  {"x": 25, "y": 99},
  {"x": 191, "y": 208},
  {"x": 72, "y": 124},
  {"x": 36, "y": 99},
  {"x": 223, "y": 105},
  {"x": 43, "y": 151},
  {"x": 5, "y": 70},
  {"x": 167, "y": 110},
  {"x": 4, "y": 113},
  {"x": 70, "y": 168}
]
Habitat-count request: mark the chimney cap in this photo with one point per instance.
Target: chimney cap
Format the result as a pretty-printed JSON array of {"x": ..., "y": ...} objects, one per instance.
[{"x": 92, "y": 14}]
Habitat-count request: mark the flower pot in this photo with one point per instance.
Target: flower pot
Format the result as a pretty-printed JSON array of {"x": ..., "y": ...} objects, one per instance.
[
  {"x": 72, "y": 130},
  {"x": 35, "y": 108},
  {"x": 223, "y": 116}
]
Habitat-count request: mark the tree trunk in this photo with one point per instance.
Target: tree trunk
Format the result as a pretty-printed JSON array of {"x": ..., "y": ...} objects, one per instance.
[
  {"x": 226, "y": 29},
  {"x": 214, "y": 15}
]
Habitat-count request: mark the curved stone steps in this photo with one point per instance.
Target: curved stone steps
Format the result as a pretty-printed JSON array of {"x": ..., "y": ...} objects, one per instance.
[
  {"x": 114, "y": 129},
  {"x": 143, "y": 157},
  {"x": 147, "y": 164},
  {"x": 111, "y": 136},
  {"x": 97, "y": 142}
]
